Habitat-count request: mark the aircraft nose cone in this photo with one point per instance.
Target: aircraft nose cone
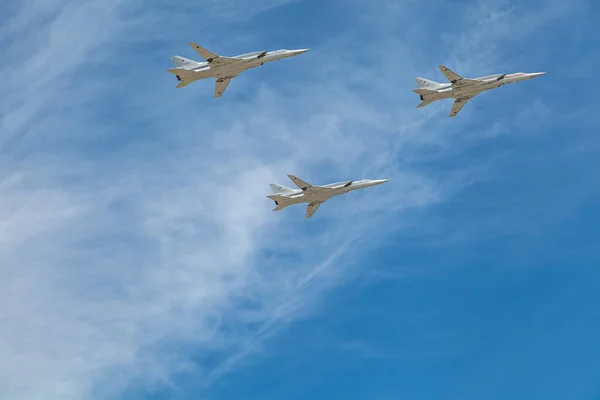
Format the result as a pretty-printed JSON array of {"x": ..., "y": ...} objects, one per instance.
[
  {"x": 300, "y": 51},
  {"x": 379, "y": 181},
  {"x": 536, "y": 74}
]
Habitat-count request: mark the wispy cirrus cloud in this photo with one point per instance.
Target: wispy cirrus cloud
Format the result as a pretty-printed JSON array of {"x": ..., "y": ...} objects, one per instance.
[{"x": 135, "y": 225}]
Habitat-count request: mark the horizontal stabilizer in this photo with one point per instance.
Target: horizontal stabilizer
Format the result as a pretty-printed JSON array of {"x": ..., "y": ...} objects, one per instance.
[
  {"x": 279, "y": 202},
  {"x": 184, "y": 77},
  {"x": 424, "y": 92},
  {"x": 424, "y": 103}
]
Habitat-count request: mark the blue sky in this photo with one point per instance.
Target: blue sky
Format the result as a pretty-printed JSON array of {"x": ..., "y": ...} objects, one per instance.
[{"x": 141, "y": 260}]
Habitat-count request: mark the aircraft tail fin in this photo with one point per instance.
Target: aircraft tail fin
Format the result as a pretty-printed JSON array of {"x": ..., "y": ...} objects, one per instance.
[
  {"x": 423, "y": 83},
  {"x": 182, "y": 62},
  {"x": 278, "y": 189}
]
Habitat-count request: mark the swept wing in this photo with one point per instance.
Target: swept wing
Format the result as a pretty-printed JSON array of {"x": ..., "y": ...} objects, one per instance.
[
  {"x": 312, "y": 208},
  {"x": 209, "y": 56},
  {"x": 221, "y": 85},
  {"x": 307, "y": 187},
  {"x": 455, "y": 78},
  {"x": 299, "y": 182},
  {"x": 457, "y": 106}
]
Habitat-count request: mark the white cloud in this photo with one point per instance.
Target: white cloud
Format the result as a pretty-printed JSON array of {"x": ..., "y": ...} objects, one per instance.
[{"x": 134, "y": 217}]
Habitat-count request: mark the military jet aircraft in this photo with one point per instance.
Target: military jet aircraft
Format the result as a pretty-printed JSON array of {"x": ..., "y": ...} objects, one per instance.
[
  {"x": 463, "y": 89},
  {"x": 223, "y": 69},
  {"x": 314, "y": 195}
]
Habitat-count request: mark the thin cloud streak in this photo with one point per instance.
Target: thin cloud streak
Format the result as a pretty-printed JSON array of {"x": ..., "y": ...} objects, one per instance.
[{"x": 157, "y": 235}]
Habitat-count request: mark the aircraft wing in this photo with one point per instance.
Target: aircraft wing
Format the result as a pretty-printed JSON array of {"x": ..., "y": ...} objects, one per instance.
[
  {"x": 221, "y": 85},
  {"x": 299, "y": 182},
  {"x": 311, "y": 209},
  {"x": 457, "y": 106},
  {"x": 209, "y": 56},
  {"x": 449, "y": 74},
  {"x": 307, "y": 187},
  {"x": 455, "y": 78}
]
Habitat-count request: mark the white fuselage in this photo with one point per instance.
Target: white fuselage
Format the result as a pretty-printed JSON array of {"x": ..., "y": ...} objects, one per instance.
[
  {"x": 475, "y": 86},
  {"x": 320, "y": 194},
  {"x": 236, "y": 65}
]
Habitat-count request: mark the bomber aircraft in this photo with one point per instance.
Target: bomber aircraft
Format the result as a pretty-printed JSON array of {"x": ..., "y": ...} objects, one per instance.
[
  {"x": 223, "y": 69},
  {"x": 463, "y": 89},
  {"x": 314, "y": 195}
]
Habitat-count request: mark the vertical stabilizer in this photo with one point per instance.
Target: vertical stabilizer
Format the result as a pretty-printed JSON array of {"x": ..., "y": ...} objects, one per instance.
[
  {"x": 279, "y": 189},
  {"x": 182, "y": 62},
  {"x": 423, "y": 83}
]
